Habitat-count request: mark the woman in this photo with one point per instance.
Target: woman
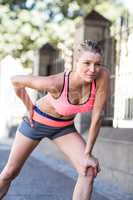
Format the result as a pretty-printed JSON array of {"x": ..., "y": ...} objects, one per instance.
[{"x": 68, "y": 93}]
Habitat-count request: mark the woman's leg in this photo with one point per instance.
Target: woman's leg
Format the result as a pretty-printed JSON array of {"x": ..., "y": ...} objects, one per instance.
[
  {"x": 73, "y": 145},
  {"x": 21, "y": 149}
]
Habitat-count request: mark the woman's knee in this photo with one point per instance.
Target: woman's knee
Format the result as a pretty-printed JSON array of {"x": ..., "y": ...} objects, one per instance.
[
  {"x": 88, "y": 175},
  {"x": 9, "y": 173},
  {"x": 90, "y": 172}
]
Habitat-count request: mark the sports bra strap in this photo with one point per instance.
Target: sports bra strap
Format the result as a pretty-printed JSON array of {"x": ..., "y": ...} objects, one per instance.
[{"x": 67, "y": 72}]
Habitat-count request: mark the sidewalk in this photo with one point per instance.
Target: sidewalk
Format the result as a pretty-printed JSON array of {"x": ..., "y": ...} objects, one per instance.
[
  {"x": 39, "y": 180},
  {"x": 54, "y": 167},
  {"x": 107, "y": 189}
]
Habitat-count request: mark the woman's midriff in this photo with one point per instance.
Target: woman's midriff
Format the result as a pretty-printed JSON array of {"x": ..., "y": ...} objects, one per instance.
[{"x": 45, "y": 106}]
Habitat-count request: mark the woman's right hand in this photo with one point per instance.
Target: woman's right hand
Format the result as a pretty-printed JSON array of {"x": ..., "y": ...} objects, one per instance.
[{"x": 30, "y": 114}]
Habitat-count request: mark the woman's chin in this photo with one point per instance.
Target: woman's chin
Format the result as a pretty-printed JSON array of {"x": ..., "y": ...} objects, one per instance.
[{"x": 89, "y": 80}]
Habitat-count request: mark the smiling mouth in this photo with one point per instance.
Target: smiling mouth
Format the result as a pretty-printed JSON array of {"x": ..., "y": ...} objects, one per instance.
[{"x": 90, "y": 76}]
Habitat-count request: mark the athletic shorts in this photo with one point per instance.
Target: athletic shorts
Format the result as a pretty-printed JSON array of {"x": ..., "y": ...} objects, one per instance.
[{"x": 46, "y": 125}]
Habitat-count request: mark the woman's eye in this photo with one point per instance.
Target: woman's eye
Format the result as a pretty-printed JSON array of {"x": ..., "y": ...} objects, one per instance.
[
  {"x": 87, "y": 63},
  {"x": 98, "y": 65}
]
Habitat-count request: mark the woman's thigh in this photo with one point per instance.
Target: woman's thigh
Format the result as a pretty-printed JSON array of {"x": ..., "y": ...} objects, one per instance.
[
  {"x": 21, "y": 149},
  {"x": 73, "y": 146}
]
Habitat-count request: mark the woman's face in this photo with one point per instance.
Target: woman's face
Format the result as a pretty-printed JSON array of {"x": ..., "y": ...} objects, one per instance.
[{"x": 88, "y": 65}]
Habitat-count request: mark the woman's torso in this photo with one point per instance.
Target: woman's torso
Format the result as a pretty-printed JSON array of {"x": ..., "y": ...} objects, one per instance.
[{"x": 75, "y": 97}]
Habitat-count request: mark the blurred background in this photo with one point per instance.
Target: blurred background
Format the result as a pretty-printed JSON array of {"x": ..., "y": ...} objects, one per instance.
[{"x": 41, "y": 37}]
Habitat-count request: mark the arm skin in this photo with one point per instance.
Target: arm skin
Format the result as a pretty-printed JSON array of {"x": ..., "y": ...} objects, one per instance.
[
  {"x": 103, "y": 88},
  {"x": 20, "y": 82}
]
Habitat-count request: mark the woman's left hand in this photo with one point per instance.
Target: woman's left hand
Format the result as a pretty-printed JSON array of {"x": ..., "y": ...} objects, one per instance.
[{"x": 91, "y": 161}]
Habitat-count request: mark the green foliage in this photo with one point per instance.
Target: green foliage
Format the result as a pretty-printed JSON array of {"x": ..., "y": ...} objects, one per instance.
[
  {"x": 21, "y": 32},
  {"x": 25, "y": 27}
]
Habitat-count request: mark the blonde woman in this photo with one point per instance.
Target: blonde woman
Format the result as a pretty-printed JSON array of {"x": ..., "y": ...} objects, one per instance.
[{"x": 68, "y": 93}]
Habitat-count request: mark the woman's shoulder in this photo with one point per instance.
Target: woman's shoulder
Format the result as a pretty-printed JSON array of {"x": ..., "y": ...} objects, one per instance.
[
  {"x": 104, "y": 77},
  {"x": 103, "y": 74},
  {"x": 57, "y": 78},
  {"x": 57, "y": 81}
]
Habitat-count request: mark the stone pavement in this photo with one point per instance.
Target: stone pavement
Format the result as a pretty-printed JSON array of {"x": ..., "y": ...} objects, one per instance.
[
  {"x": 39, "y": 181},
  {"x": 106, "y": 188},
  {"x": 54, "y": 167}
]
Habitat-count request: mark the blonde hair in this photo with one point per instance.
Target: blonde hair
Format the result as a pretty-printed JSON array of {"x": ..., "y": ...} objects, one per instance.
[{"x": 92, "y": 46}]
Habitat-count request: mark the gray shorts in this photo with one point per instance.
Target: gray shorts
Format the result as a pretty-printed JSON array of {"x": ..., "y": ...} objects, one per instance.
[{"x": 39, "y": 131}]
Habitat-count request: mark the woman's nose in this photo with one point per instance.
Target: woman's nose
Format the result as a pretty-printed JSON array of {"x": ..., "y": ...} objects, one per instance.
[{"x": 92, "y": 68}]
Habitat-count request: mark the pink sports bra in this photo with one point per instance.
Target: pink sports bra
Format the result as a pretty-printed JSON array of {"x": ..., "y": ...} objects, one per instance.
[{"x": 62, "y": 104}]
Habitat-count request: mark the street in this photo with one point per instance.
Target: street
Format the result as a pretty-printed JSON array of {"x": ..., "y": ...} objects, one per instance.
[{"x": 38, "y": 181}]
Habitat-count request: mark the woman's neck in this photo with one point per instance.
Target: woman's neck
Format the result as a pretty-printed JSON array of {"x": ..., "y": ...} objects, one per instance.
[{"x": 76, "y": 81}]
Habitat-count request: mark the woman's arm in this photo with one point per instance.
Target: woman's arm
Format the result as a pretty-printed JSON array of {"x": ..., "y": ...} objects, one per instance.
[
  {"x": 20, "y": 82},
  {"x": 103, "y": 88},
  {"x": 45, "y": 83}
]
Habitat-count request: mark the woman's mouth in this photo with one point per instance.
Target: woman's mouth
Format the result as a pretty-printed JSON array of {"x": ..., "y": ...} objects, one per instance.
[{"x": 91, "y": 76}]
